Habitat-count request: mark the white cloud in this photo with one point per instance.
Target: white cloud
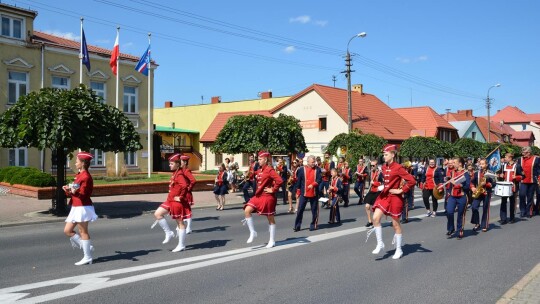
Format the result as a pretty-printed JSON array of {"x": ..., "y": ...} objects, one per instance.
[
  {"x": 127, "y": 44},
  {"x": 300, "y": 19},
  {"x": 290, "y": 49},
  {"x": 413, "y": 59},
  {"x": 321, "y": 23},
  {"x": 66, "y": 35}
]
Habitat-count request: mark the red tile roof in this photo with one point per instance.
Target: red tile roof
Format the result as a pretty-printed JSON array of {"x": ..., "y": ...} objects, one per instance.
[
  {"x": 511, "y": 115},
  {"x": 221, "y": 119},
  {"x": 465, "y": 115},
  {"x": 426, "y": 119},
  {"x": 369, "y": 114},
  {"x": 48, "y": 39},
  {"x": 523, "y": 135},
  {"x": 535, "y": 118}
]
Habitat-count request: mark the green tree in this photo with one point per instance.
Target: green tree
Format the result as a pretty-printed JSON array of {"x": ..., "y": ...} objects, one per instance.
[
  {"x": 357, "y": 145},
  {"x": 63, "y": 121},
  {"x": 468, "y": 147},
  {"x": 252, "y": 133},
  {"x": 535, "y": 150},
  {"x": 423, "y": 147}
]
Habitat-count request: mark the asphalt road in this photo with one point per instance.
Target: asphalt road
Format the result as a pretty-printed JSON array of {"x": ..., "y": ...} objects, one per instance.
[{"x": 331, "y": 265}]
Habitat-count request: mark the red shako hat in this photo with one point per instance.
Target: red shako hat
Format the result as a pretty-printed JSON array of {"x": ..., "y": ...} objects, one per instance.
[
  {"x": 264, "y": 154},
  {"x": 389, "y": 148},
  {"x": 175, "y": 157},
  {"x": 184, "y": 157},
  {"x": 85, "y": 156}
]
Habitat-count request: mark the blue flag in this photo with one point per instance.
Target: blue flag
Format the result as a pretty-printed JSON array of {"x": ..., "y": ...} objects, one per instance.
[
  {"x": 144, "y": 63},
  {"x": 494, "y": 160},
  {"x": 84, "y": 52}
]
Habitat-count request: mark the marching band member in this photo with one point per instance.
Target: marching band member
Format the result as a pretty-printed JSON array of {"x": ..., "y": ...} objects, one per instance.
[
  {"x": 190, "y": 179},
  {"x": 459, "y": 184},
  {"x": 82, "y": 210},
  {"x": 221, "y": 187},
  {"x": 326, "y": 166},
  {"x": 264, "y": 200},
  {"x": 528, "y": 167},
  {"x": 281, "y": 169},
  {"x": 449, "y": 172},
  {"x": 334, "y": 191},
  {"x": 432, "y": 177},
  {"x": 176, "y": 204},
  {"x": 508, "y": 174},
  {"x": 308, "y": 179},
  {"x": 250, "y": 178},
  {"x": 390, "y": 202},
  {"x": 470, "y": 169},
  {"x": 345, "y": 178},
  {"x": 361, "y": 174},
  {"x": 291, "y": 181},
  {"x": 484, "y": 197},
  {"x": 375, "y": 187},
  {"x": 409, "y": 196}
]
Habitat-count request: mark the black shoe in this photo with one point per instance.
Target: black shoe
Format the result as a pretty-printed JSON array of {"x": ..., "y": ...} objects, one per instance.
[
  {"x": 475, "y": 228},
  {"x": 346, "y": 205},
  {"x": 405, "y": 221},
  {"x": 512, "y": 221},
  {"x": 503, "y": 222},
  {"x": 331, "y": 223},
  {"x": 369, "y": 225},
  {"x": 296, "y": 229},
  {"x": 449, "y": 233}
]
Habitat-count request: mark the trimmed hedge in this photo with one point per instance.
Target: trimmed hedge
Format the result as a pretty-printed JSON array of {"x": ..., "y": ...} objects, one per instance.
[{"x": 26, "y": 176}]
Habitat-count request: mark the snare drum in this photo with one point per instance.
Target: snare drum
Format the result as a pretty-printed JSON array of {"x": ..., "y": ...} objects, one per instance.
[{"x": 503, "y": 189}]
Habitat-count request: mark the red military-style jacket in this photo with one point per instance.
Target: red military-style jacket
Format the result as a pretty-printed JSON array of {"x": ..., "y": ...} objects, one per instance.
[
  {"x": 394, "y": 174},
  {"x": 81, "y": 197},
  {"x": 177, "y": 186},
  {"x": 267, "y": 177}
]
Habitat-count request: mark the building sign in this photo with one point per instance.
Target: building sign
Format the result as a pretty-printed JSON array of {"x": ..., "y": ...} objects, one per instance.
[
  {"x": 309, "y": 124},
  {"x": 166, "y": 149}
]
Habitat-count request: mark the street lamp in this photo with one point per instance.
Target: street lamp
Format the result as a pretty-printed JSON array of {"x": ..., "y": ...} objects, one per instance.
[
  {"x": 348, "y": 71},
  {"x": 488, "y": 105}
]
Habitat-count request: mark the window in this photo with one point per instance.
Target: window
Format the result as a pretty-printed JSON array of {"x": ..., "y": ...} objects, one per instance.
[
  {"x": 473, "y": 135},
  {"x": 219, "y": 159},
  {"x": 130, "y": 99},
  {"x": 12, "y": 27},
  {"x": 17, "y": 86},
  {"x": 60, "y": 82},
  {"x": 18, "y": 157},
  {"x": 245, "y": 159},
  {"x": 524, "y": 127},
  {"x": 99, "y": 158},
  {"x": 130, "y": 158},
  {"x": 99, "y": 89},
  {"x": 322, "y": 123}
]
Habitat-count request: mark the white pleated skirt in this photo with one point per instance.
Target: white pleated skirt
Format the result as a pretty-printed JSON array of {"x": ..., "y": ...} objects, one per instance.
[{"x": 82, "y": 214}]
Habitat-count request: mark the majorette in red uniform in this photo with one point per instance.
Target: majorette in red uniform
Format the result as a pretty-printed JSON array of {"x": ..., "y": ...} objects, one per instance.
[
  {"x": 390, "y": 202},
  {"x": 345, "y": 179},
  {"x": 190, "y": 179},
  {"x": 361, "y": 175},
  {"x": 82, "y": 211},
  {"x": 264, "y": 200},
  {"x": 176, "y": 204}
]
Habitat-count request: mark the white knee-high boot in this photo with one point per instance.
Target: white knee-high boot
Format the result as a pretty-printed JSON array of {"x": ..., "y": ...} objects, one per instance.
[
  {"x": 380, "y": 244},
  {"x": 252, "y": 232},
  {"x": 168, "y": 233},
  {"x": 181, "y": 240},
  {"x": 398, "y": 239},
  {"x": 75, "y": 241},
  {"x": 188, "y": 225},
  {"x": 86, "y": 247},
  {"x": 271, "y": 241}
]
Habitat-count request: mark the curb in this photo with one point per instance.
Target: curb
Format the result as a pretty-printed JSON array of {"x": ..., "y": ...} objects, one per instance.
[{"x": 514, "y": 291}]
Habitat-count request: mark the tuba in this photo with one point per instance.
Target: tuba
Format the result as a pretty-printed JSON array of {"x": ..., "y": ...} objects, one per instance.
[{"x": 480, "y": 190}]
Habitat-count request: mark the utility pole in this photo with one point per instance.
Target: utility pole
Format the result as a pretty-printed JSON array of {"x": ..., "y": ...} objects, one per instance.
[
  {"x": 347, "y": 72},
  {"x": 334, "y": 80},
  {"x": 488, "y": 106}
]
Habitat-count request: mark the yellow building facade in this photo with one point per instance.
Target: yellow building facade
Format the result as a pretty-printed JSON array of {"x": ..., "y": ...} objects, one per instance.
[
  {"x": 197, "y": 118},
  {"x": 31, "y": 60}
]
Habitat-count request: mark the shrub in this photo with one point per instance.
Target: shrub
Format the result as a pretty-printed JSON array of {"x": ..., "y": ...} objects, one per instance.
[
  {"x": 20, "y": 174},
  {"x": 7, "y": 173},
  {"x": 39, "y": 179}
]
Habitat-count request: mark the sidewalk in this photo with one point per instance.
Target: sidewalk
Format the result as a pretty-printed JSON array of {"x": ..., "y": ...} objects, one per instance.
[{"x": 18, "y": 210}]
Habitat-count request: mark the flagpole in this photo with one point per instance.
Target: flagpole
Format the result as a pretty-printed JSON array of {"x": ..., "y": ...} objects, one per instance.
[
  {"x": 81, "y": 54},
  {"x": 149, "y": 107},
  {"x": 117, "y": 90}
]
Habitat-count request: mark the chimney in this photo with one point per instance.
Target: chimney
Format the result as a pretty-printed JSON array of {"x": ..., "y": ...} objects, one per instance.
[
  {"x": 358, "y": 88},
  {"x": 467, "y": 113},
  {"x": 266, "y": 95},
  {"x": 168, "y": 104},
  {"x": 216, "y": 99}
]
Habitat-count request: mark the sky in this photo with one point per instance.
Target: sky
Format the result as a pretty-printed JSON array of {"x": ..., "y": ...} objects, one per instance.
[{"x": 443, "y": 54}]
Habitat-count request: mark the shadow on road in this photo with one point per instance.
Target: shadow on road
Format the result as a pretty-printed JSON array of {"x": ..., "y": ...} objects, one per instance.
[
  {"x": 208, "y": 244},
  {"x": 211, "y": 229},
  {"x": 407, "y": 249},
  {"x": 122, "y": 255},
  {"x": 206, "y": 218}
]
